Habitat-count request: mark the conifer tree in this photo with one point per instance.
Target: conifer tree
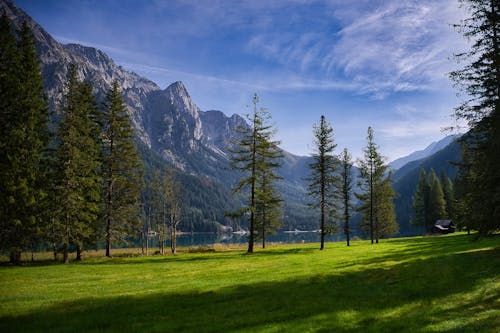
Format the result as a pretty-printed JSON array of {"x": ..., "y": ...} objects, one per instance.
[
  {"x": 421, "y": 202},
  {"x": 376, "y": 205},
  {"x": 255, "y": 155},
  {"x": 324, "y": 182},
  {"x": 437, "y": 204},
  {"x": 23, "y": 140},
  {"x": 346, "y": 180},
  {"x": 480, "y": 80},
  {"x": 268, "y": 201},
  {"x": 449, "y": 197},
  {"x": 121, "y": 171},
  {"x": 78, "y": 185}
]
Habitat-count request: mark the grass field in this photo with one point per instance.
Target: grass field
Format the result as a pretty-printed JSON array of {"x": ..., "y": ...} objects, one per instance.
[{"x": 432, "y": 284}]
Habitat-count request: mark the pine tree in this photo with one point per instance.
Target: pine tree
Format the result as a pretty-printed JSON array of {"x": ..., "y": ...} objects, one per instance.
[
  {"x": 421, "y": 202},
  {"x": 255, "y": 155},
  {"x": 23, "y": 140},
  {"x": 437, "y": 204},
  {"x": 480, "y": 80},
  {"x": 376, "y": 200},
  {"x": 121, "y": 171},
  {"x": 78, "y": 185},
  {"x": 346, "y": 180},
  {"x": 324, "y": 181}
]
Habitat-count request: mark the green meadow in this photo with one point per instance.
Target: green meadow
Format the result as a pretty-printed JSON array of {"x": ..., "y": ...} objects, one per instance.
[{"x": 422, "y": 284}]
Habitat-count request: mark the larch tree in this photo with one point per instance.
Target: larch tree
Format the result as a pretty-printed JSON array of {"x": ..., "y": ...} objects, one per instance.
[
  {"x": 255, "y": 155},
  {"x": 121, "y": 171},
  {"x": 346, "y": 192},
  {"x": 324, "y": 181},
  {"x": 479, "y": 79},
  {"x": 78, "y": 162},
  {"x": 268, "y": 201},
  {"x": 376, "y": 200},
  {"x": 23, "y": 141}
]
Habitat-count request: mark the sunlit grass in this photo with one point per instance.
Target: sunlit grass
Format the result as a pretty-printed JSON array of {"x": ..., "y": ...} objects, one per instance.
[{"x": 433, "y": 284}]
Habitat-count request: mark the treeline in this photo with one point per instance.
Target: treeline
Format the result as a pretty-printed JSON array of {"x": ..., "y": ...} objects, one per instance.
[
  {"x": 478, "y": 178},
  {"x": 74, "y": 183}
]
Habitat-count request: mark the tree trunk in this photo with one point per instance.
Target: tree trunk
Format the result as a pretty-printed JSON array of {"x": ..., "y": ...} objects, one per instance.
[
  {"x": 323, "y": 199},
  {"x": 78, "y": 253},
  {"x": 371, "y": 201},
  {"x": 142, "y": 242},
  {"x": 15, "y": 257},
  {"x": 54, "y": 250},
  {"x": 174, "y": 239},
  {"x": 65, "y": 253}
]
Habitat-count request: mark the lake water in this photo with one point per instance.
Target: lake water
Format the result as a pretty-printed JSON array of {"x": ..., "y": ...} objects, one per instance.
[{"x": 197, "y": 239}]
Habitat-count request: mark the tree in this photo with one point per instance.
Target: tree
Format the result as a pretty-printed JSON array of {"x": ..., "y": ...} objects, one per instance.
[
  {"x": 324, "y": 182},
  {"x": 376, "y": 204},
  {"x": 479, "y": 79},
  {"x": 268, "y": 201},
  {"x": 173, "y": 194},
  {"x": 449, "y": 197},
  {"x": 255, "y": 156},
  {"x": 421, "y": 202},
  {"x": 437, "y": 204},
  {"x": 346, "y": 180},
  {"x": 121, "y": 170},
  {"x": 78, "y": 185},
  {"x": 23, "y": 141}
]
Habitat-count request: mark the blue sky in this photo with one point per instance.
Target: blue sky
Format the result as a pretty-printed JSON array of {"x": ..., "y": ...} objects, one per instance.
[{"x": 360, "y": 63}]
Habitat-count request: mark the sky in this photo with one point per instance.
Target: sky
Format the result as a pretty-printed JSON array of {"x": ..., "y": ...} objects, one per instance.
[{"x": 378, "y": 63}]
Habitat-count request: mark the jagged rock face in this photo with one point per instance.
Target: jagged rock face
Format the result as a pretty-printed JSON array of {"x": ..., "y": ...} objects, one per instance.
[
  {"x": 92, "y": 65},
  {"x": 218, "y": 130},
  {"x": 168, "y": 121}
]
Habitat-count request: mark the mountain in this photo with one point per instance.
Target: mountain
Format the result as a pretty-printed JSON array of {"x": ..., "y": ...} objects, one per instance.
[
  {"x": 406, "y": 179},
  {"x": 169, "y": 127},
  {"x": 428, "y": 151}
]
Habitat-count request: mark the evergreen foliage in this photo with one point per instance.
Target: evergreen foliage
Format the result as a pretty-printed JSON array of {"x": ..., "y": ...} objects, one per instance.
[
  {"x": 376, "y": 200},
  {"x": 346, "y": 193},
  {"x": 437, "y": 204},
  {"x": 23, "y": 141},
  {"x": 257, "y": 157},
  {"x": 77, "y": 189},
  {"x": 421, "y": 202},
  {"x": 324, "y": 182},
  {"x": 480, "y": 80},
  {"x": 121, "y": 171}
]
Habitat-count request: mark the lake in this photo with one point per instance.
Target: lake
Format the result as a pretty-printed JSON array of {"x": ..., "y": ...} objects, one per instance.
[{"x": 197, "y": 239}]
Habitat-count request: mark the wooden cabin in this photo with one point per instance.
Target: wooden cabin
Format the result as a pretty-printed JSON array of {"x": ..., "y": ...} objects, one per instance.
[{"x": 444, "y": 227}]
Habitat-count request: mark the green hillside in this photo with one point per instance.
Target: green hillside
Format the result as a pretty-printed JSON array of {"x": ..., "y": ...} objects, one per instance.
[{"x": 434, "y": 284}]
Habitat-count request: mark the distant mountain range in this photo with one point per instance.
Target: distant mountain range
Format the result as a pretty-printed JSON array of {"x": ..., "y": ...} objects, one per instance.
[
  {"x": 172, "y": 131},
  {"x": 428, "y": 151}
]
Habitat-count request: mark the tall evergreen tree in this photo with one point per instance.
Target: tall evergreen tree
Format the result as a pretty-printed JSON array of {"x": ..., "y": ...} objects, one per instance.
[
  {"x": 437, "y": 204},
  {"x": 268, "y": 207},
  {"x": 449, "y": 196},
  {"x": 255, "y": 155},
  {"x": 23, "y": 140},
  {"x": 346, "y": 193},
  {"x": 421, "y": 202},
  {"x": 480, "y": 80},
  {"x": 78, "y": 185},
  {"x": 121, "y": 170},
  {"x": 324, "y": 181},
  {"x": 376, "y": 199}
]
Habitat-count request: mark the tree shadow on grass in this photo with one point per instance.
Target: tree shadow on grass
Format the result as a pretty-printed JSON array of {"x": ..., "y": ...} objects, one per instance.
[{"x": 409, "y": 296}]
